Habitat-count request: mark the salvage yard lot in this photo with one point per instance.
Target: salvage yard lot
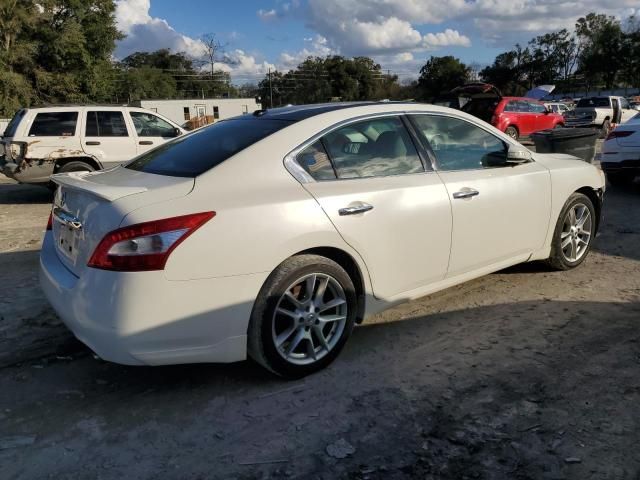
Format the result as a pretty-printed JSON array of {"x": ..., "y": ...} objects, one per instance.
[{"x": 523, "y": 374}]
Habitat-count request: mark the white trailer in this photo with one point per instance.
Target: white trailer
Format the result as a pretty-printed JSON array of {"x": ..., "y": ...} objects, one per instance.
[{"x": 181, "y": 111}]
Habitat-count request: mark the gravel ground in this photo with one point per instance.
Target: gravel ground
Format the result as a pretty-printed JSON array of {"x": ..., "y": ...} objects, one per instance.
[{"x": 523, "y": 374}]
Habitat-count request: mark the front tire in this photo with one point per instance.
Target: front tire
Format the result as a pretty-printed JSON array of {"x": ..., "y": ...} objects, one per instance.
[
  {"x": 76, "y": 166},
  {"x": 303, "y": 316},
  {"x": 574, "y": 233},
  {"x": 606, "y": 128}
]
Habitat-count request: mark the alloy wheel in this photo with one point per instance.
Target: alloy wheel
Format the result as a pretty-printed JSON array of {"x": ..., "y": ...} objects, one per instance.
[
  {"x": 309, "y": 318},
  {"x": 577, "y": 231}
]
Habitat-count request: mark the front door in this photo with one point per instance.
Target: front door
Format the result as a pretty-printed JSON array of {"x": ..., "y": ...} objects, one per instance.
[
  {"x": 500, "y": 211},
  {"x": 151, "y": 130},
  {"x": 107, "y": 137},
  {"x": 374, "y": 187}
]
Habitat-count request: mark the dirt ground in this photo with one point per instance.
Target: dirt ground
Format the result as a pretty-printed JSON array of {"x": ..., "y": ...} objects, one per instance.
[{"x": 523, "y": 374}]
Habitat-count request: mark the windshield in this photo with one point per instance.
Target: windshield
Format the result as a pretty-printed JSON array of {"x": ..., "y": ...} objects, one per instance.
[
  {"x": 593, "y": 102},
  {"x": 10, "y": 131},
  {"x": 193, "y": 154}
]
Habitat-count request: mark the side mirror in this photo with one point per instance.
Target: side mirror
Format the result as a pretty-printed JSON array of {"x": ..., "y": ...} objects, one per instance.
[
  {"x": 177, "y": 132},
  {"x": 518, "y": 154}
]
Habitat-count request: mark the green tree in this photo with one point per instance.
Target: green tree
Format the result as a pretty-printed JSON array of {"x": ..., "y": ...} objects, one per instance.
[{"x": 441, "y": 74}]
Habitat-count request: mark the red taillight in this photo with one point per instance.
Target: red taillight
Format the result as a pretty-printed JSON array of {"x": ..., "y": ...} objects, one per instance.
[
  {"x": 145, "y": 246},
  {"x": 50, "y": 221},
  {"x": 619, "y": 134}
]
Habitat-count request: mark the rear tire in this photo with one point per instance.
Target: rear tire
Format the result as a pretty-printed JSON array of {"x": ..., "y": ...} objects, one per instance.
[
  {"x": 512, "y": 132},
  {"x": 292, "y": 332},
  {"x": 574, "y": 233},
  {"x": 75, "y": 166}
]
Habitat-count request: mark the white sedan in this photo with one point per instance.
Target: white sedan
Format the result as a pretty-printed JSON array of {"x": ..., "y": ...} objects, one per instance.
[
  {"x": 621, "y": 152},
  {"x": 271, "y": 235}
]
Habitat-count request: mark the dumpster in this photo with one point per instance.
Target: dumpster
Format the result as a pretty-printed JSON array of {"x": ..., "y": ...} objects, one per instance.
[{"x": 579, "y": 142}]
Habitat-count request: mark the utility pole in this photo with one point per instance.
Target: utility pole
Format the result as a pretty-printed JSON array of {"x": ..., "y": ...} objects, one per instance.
[{"x": 270, "y": 90}]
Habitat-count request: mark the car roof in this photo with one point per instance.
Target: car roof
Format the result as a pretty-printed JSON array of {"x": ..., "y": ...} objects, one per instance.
[{"x": 296, "y": 113}]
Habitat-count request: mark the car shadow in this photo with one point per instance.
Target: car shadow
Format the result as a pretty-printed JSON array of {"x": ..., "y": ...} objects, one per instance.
[{"x": 16, "y": 193}]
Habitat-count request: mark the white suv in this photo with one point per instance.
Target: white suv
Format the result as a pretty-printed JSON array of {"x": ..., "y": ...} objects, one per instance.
[{"x": 41, "y": 141}]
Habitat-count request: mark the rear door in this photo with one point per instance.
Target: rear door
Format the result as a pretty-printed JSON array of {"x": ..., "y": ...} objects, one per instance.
[
  {"x": 372, "y": 184},
  {"x": 151, "y": 130},
  {"x": 107, "y": 137},
  {"x": 500, "y": 211}
]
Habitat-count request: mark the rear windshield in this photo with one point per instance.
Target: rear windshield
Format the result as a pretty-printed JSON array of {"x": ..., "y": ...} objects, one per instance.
[
  {"x": 200, "y": 151},
  {"x": 10, "y": 131},
  {"x": 593, "y": 102}
]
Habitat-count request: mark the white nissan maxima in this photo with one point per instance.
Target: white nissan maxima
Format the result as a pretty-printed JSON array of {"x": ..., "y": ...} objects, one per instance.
[{"x": 270, "y": 235}]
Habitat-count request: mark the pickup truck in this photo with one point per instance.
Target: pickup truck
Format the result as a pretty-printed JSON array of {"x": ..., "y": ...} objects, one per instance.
[{"x": 600, "y": 112}]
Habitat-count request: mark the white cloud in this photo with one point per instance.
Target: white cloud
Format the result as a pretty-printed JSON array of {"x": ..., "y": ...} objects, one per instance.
[
  {"x": 315, "y": 47},
  {"x": 445, "y": 39},
  {"x": 267, "y": 15},
  {"x": 146, "y": 33}
]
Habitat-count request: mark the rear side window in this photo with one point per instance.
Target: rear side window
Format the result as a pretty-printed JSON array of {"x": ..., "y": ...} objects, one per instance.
[
  {"x": 593, "y": 102},
  {"x": 315, "y": 161},
  {"x": 10, "y": 131},
  {"x": 106, "y": 124},
  {"x": 54, "y": 124},
  {"x": 537, "y": 107},
  {"x": 194, "y": 154},
  {"x": 373, "y": 148}
]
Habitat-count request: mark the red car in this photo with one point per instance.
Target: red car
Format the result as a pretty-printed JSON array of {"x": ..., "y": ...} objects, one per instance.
[{"x": 516, "y": 116}]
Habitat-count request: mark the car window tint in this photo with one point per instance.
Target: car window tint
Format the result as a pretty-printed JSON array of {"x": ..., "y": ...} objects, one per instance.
[
  {"x": 460, "y": 145},
  {"x": 149, "y": 125},
  {"x": 315, "y": 161},
  {"x": 593, "y": 102},
  {"x": 536, "y": 107},
  {"x": 193, "y": 154},
  {"x": 511, "y": 106},
  {"x": 10, "y": 131},
  {"x": 624, "y": 103},
  {"x": 54, "y": 124},
  {"x": 373, "y": 148},
  {"x": 106, "y": 124}
]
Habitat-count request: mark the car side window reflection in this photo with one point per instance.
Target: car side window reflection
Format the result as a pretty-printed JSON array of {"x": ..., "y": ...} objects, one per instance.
[
  {"x": 372, "y": 148},
  {"x": 460, "y": 145}
]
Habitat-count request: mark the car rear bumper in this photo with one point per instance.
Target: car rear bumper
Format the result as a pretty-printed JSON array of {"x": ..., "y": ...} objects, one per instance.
[
  {"x": 620, "y": 164},
  {"x": 144, "y": 319},
  {"x": 28, "y": 173}
]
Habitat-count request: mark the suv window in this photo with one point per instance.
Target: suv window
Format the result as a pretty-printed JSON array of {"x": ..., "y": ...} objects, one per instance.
[
  {"x": 193, "y": 154},
  {"x": 372, "y": 148},
  {"x": 460, "y": 145},
  {"x": 106, "y": 124},
  {"x": 10, "y": 131},
  {"x": 315, "y": 161},
  {"x": 54, "y": 124},
  {"x": 149, "y": 125},
  {"x": 536, "y": 107},
  {"x": 624, "y": 104},
  {"x": 594, "y": 102}
]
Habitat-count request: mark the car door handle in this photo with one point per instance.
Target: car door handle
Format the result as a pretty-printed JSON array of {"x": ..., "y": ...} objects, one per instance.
[
  {"x": 145, "y": 142},
  {"x": 365, "y": 207},
  {"x": 466, "y": 193},
  {"x": 92, "y": 143}
]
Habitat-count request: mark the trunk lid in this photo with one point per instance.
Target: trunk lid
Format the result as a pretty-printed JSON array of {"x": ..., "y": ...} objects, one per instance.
[{"x": 88, "y": 205}]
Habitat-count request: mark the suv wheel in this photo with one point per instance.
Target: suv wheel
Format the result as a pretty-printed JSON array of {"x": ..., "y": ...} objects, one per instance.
[
  {"x": 75, "y": 166},
  {"x": 606, "y": 127},
  {"x": 303, "y": 316},
  {"x": 512, "y": 132}
]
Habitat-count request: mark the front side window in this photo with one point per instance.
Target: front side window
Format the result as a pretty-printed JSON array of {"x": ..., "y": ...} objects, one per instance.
[
  {"x": 106, "y": 124},
  {"x": 624, "y": 104},
  {"x": 148, "y": 125},
  {"x": 372, "y": 148},
  {"x": 315, "y": 161},
  {"x": 194, "y": 154},
  {"x": 460, "y": 145},
  {"x": 54, "y": 124}
]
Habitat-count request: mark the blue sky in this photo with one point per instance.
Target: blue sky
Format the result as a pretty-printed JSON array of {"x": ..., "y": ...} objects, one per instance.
[{"x": 399, "y": 34}]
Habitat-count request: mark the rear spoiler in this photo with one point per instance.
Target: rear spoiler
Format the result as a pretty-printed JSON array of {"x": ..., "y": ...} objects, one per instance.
[{"x": 81, "y": 181}]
